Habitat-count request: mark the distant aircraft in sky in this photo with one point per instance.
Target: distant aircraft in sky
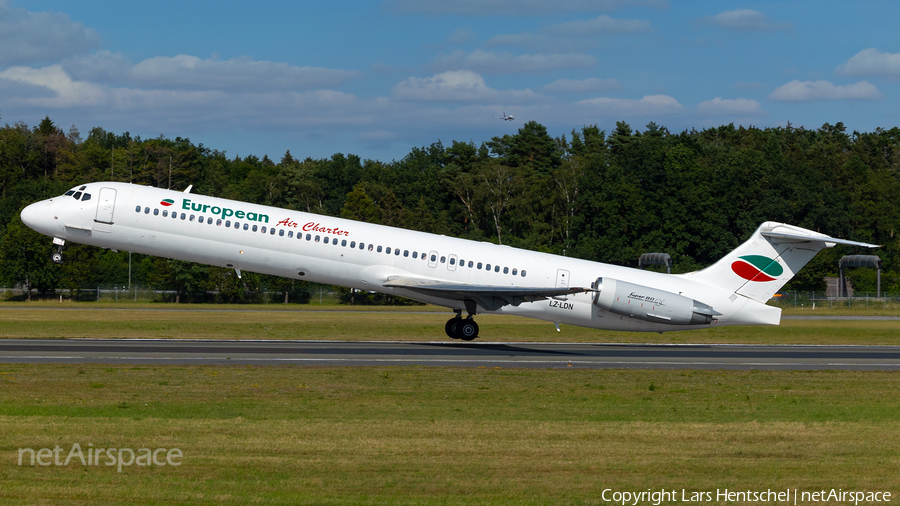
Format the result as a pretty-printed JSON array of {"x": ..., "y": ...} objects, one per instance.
[
  {"x": 459, "y": 274},
  {"x": 505, "y": 117}
]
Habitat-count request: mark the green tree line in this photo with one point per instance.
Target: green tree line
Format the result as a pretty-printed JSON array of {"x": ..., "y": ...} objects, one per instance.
[{"x": 592, "y": 194}]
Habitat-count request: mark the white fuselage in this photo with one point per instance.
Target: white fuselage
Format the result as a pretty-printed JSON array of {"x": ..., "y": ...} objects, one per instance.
[{"x": 323, "y": 249}]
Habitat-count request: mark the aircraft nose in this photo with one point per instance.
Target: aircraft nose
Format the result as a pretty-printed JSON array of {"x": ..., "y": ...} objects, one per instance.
[{"x": 29, "y": 214}]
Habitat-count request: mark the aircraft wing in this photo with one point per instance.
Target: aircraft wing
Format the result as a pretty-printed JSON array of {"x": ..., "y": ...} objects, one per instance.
[{"x": 489, "y": 297}]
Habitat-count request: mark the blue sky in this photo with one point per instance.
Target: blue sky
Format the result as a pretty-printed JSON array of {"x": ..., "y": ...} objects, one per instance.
[{"x": 379, "y": 78}]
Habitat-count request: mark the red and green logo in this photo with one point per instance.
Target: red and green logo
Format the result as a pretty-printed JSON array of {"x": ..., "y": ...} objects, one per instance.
[
  {"x": 166, "y": 202},
  {"x": 757, "y": 268}
]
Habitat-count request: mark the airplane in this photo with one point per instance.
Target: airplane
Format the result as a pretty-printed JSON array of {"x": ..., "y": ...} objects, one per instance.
[
  {"x": 505, "y": 117},
  {"x": 459, "y": 274}
]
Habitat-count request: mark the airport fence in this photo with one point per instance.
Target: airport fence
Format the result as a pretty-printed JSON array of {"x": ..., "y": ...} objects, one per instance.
[
  {"x": 316, "y": 294},
  {"x": 820, "y": 300}
]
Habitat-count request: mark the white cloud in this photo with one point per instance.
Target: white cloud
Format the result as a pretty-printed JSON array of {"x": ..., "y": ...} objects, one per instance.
[
  {"x": 514, "y": 7},
  {"x": 456, "y": 86},
  {"x": 805, "y": 91},
  {"x": 461, "y": 35},
  {"x": 647, "y": 106},
  {"x": 564, "y": 36},
  {"x": 65, "y": 91},
  {"x": 238, "y": 74},
  {"x": 730, "y": 107},
  {"x": 508, "y": 63},
  {"x": 600, "y": 25},
  {"x": 871, "y": 62},
  {"x": 192, "y": 73},
  {"x": 592, "y": 84},
  {"x": 745, "y": 20},
  {"x": 40, "y": 37}
]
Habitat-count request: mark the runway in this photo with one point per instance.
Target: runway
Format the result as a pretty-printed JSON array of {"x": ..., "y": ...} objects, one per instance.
[{"x": 456, "y": 354}]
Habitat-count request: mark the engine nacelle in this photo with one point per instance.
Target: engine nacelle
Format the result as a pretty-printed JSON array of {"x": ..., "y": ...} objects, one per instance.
[{"x": 650, "y": 304}]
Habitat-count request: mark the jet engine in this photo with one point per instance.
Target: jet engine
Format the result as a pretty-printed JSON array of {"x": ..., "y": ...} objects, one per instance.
[{"x": 650, "y": 304}]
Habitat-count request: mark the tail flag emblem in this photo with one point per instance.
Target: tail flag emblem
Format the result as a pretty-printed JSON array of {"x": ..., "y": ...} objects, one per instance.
[{"x": 757, "y": 268}]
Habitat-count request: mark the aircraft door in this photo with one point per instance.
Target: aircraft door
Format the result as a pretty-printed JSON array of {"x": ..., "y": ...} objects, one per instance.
[
  {"x": 451, "y": 262},
  {"x": 432, "y": 259},
  {"x": 106, "y": 204}
]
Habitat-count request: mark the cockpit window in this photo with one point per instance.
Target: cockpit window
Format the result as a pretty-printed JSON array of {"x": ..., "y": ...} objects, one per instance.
[
  {"x": 77, "y": 195},
  {"x": 86, "y": 196},
  {"x": 69, "y": 193},
  {"x": 83, "y": 187}
]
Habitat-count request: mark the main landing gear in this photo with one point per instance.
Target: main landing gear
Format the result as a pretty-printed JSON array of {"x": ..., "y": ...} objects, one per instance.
[{"x": 459, "y": 328}]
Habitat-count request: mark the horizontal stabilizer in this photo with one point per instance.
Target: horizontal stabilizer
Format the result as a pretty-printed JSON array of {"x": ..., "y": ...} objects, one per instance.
[
  {"x": 783, "y": 234},
  {"x": 489, "y": 297}
]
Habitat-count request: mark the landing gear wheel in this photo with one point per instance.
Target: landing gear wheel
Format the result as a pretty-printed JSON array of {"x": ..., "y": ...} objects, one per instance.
[
  {"x": 57, "y": 257},
  {"x": 468, "y": 330},
  {"x": 452, "y": 327}
]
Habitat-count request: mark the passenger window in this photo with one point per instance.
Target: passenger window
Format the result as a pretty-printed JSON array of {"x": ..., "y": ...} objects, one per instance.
[
  {"x": 183, "y": 216},
  {"x": 156, "y": 212},
  {"x": 318, "y": 238},
  {"x": 515, "y": 271},
  {"x": 487, "y": 267},
  {"x": 308, "y": 237},
  {"x": 396, "y": 252},
  {"x": 344, "y": 243},
  {"x": 479, "y": 265},
  {"x": 452, "y": 261},
  {"x": 254, "y": 229},
  {"x": 470, "y": 264},
  {"x": 237, "y": 225},
  {"x": 77, "y": 196},
  {"x": 325, "y": 240},
  {"x": 272, "y": 231},
  {"x": 379, "y": 249},
  {"x": 280, "y": 232},
  {"x": 290, "y": 234},
  {"x": 246, "y": 226},
  {"x": 192, "y": 218},
  {"x": 219, "y": 222},
  {"x": 137, "y": 209},
  {"x": 263, "y": 229},
  {"x": 227, "y": 223},
  {"x": 174, "y": 216},
  {"x": 506, "y": 270},
  {"x": 388, "y": 251},
  {"x": 406, "y": 252},
  {"x": 87, "y": 196},
  {"x": 443, "y": 259},
  {"x": 415, "y": 254},
  {"x": 165, "y": 213},
  {"x": 371, "y": 247},
  {"x": 523, "y": 273},
  {"x": 352, "y": 244},
  {"x": 146, "y": 210},
  {"x": 202, "y": 219}
]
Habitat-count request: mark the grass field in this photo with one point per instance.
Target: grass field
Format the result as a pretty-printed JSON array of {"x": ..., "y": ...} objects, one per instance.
[
  {"x": 292, "y": 435},
  {"x": 416, "y": 435},
  {"x": 394, "y": 323}
]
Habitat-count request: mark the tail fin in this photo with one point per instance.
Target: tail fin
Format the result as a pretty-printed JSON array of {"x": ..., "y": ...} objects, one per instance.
[{"x": 769, "y": 259}]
